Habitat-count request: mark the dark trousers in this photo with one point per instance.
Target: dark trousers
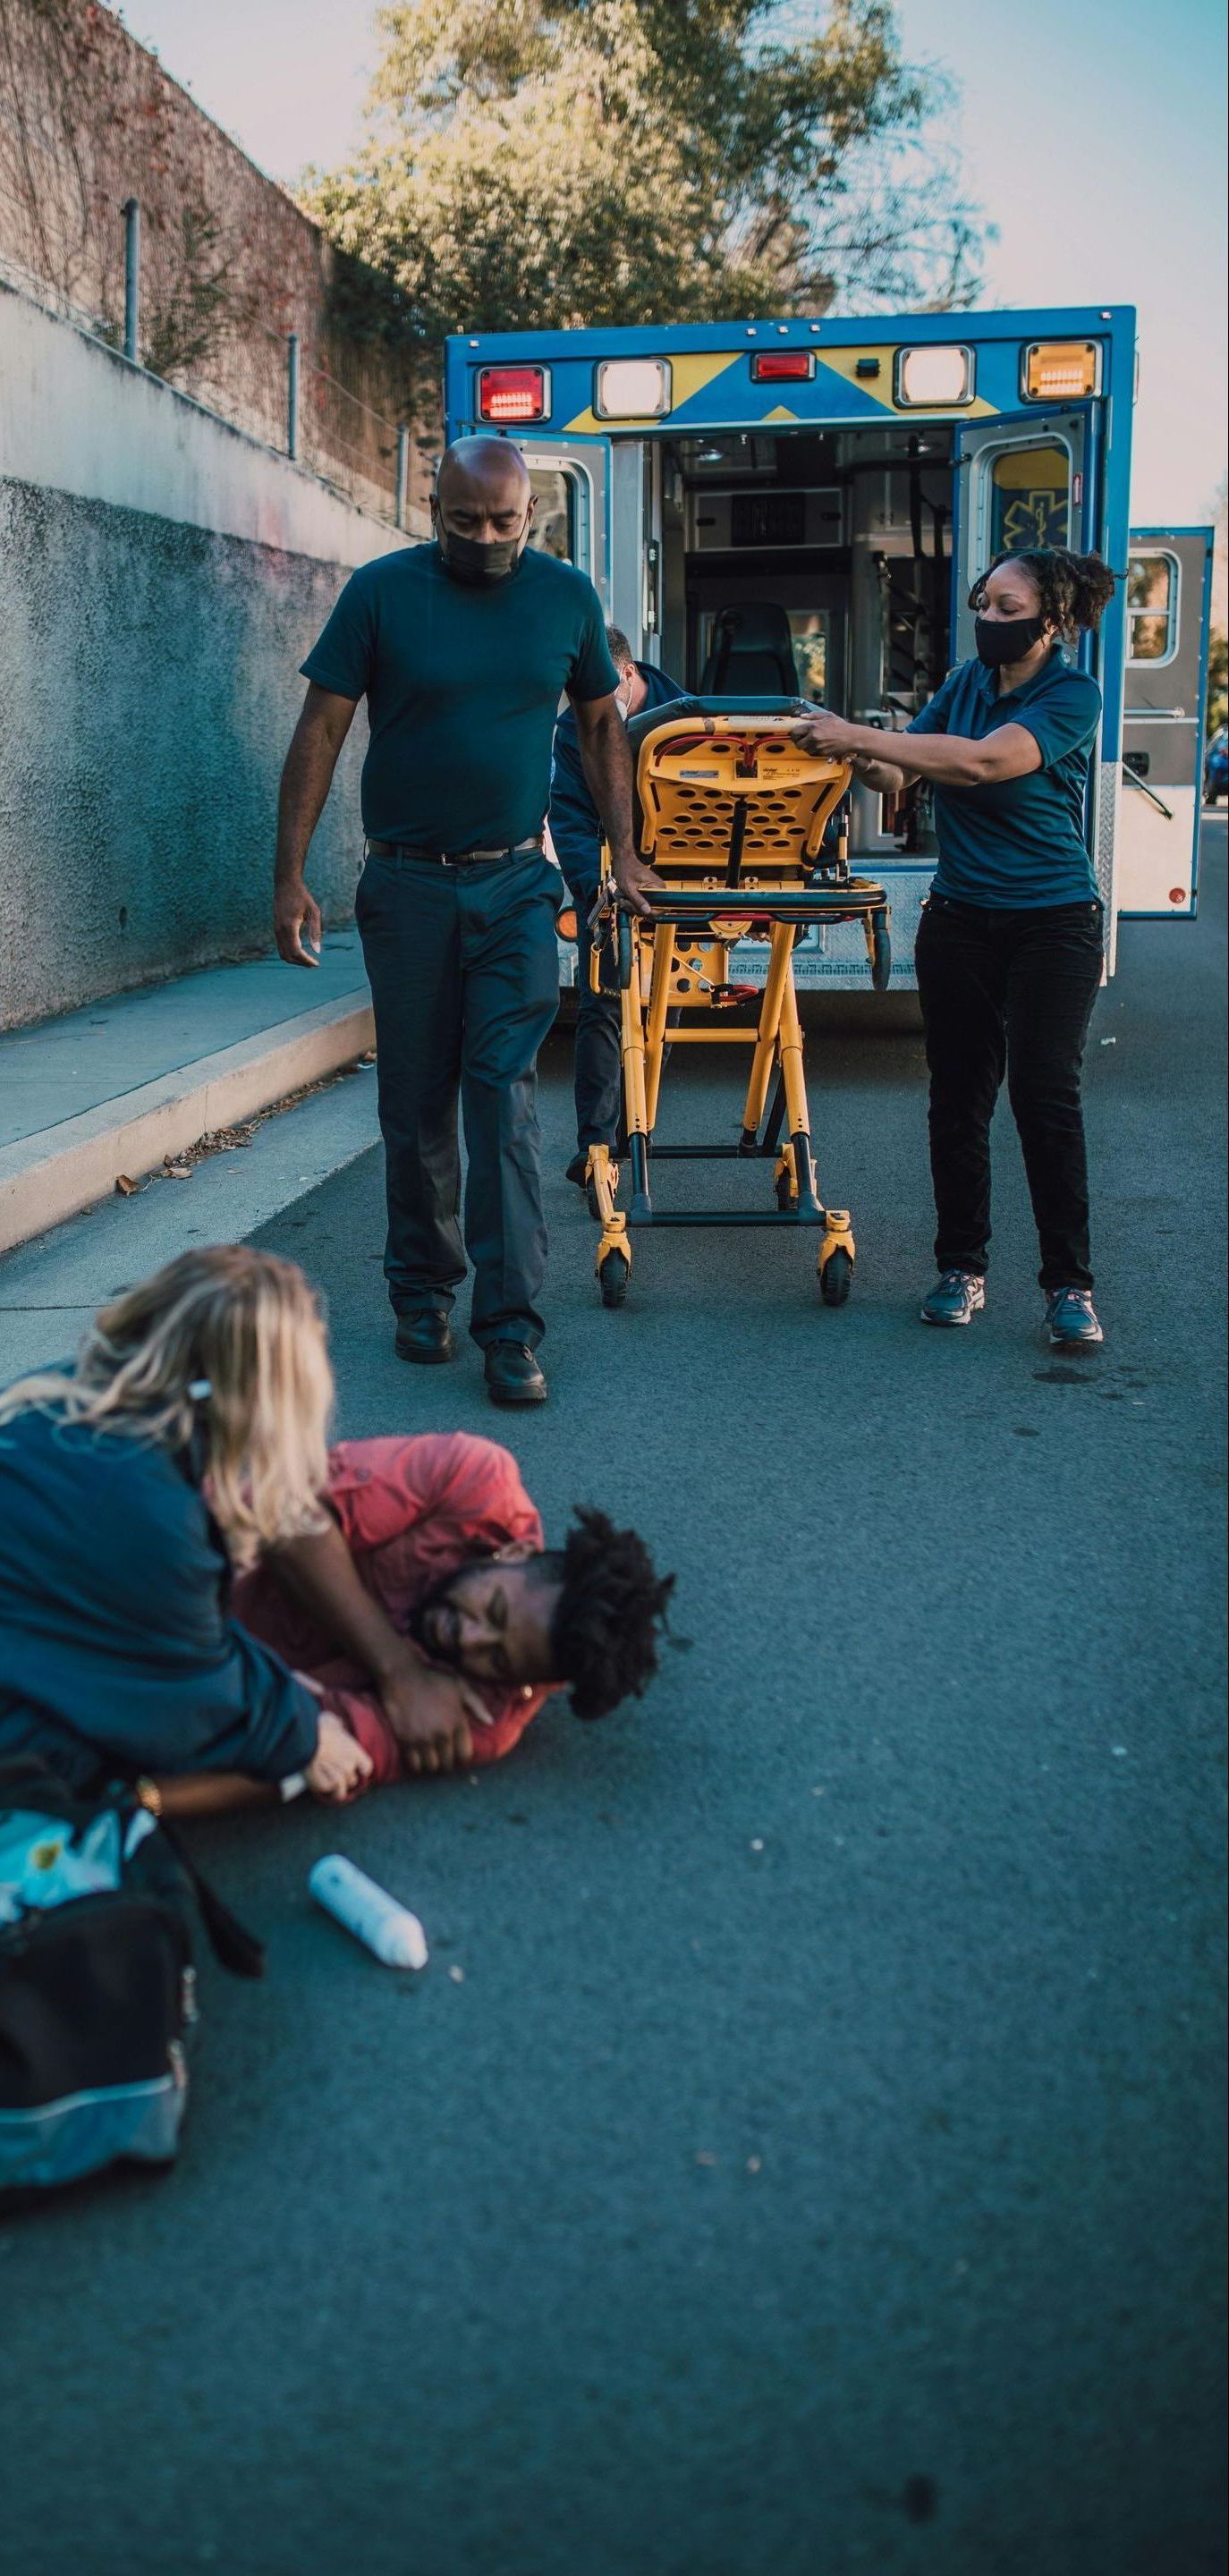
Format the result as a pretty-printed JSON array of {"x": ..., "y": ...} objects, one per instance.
[
  {"x": 1009, "y": 992},
  {"x": 464, "y": 973},
  {"x": 598, "y": 1059}
]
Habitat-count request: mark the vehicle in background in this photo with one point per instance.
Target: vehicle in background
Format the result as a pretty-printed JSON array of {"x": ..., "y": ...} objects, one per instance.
[
  {"x": 1169, "y": 597},
  {"x": 796, "y": 507},
  {"x": 1216, "y": 766}
]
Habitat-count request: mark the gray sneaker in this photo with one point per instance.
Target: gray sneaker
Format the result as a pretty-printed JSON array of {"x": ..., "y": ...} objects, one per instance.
[
  {"x": 957, "y": 1296},
  {"x": 1072, "y": 1319}
]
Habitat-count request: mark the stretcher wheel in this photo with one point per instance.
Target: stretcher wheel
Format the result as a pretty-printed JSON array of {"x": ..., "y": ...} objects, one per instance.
[
  {"x": 836, "y": 1277},
  {"x": 613, "y": 1277}
]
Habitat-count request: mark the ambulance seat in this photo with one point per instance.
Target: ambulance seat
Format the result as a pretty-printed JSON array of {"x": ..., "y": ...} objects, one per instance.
[{"x": 752, "y": 652}]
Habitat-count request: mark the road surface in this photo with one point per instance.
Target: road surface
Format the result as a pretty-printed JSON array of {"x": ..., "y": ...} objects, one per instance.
[{"x": 802, "y": 2156}]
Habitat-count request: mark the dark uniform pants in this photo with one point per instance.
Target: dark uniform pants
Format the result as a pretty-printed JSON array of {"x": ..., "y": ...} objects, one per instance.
[
  {"x": 598, "y": 1061},
  {"x": 464, "y": 974},
  {"x": 1009, "y": 993}
]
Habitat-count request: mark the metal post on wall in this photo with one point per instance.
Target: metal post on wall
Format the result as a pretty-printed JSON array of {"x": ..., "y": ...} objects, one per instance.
[
  {"x": 292, "y": 394},
  {"x": 403, "y": 472},
  {"x": 132, "y": 279}
]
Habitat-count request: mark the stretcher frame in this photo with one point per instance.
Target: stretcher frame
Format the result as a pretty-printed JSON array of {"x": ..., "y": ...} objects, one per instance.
[{"x": 732, "y": 816}]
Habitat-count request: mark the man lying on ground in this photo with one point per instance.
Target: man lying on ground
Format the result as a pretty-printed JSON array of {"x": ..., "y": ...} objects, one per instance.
[{"x": 402, "y": 1613}]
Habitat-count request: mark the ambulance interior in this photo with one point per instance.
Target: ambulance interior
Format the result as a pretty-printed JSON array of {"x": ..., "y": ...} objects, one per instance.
[{"x": 819, "y": 562}]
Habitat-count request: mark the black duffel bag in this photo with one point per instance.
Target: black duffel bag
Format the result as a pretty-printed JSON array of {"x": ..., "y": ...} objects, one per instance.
[{"x": 97, "y": 1986}]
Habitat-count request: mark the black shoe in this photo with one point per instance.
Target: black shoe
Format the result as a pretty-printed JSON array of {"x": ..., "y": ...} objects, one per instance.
[
  {"x": 513, "y": 1375},
  {"x": 578, "y": 1168},
  {"x": 424, "y": 1337}
]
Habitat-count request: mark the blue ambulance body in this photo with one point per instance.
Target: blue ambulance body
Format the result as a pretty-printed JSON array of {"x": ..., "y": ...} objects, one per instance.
[{"x": 805, "y": 505}]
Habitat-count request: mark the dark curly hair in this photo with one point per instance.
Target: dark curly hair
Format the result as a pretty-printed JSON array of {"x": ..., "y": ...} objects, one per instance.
[
  {"x": 604, "y": 1631},
  {"x": 1073, "y": 589}
]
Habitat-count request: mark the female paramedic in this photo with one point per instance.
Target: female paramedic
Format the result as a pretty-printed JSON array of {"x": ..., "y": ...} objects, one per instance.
[{"x": 1009, "y": 947}]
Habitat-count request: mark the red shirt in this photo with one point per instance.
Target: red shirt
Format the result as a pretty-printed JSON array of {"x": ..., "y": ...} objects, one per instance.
[{"x": 410, "y": 1511}]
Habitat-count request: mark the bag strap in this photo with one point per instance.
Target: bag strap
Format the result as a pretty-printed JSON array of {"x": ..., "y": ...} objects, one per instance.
[{"x": 233, "y": 1946}]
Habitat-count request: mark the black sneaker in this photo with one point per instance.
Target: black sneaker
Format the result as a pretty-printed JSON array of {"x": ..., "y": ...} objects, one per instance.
[
  {"x": 425, "y": 1337},
  {"x": 513, "y": 1375},
  {"x": 957, "y": 1296},
  {"x": 1072, "y": 1318},
  {"x": 578, "y": 1169}
]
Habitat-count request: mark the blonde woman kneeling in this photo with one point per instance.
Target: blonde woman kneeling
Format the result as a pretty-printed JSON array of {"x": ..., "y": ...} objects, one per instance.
[{"x": 420, "y": 1618}]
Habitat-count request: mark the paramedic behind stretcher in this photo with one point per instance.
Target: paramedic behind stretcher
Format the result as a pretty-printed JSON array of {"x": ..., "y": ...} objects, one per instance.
[
  {"x": 1009, "y": 948},
  {"x": 422, "y": 1621},
  {"x": 462, "y": 649},
  {"x": 576, "y": 832}
]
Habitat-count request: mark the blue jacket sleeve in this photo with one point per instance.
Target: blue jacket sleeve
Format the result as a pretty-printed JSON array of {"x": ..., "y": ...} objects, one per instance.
[
  {"x": 115, "y": 1640},
  {"x": 575, "y": 827}
]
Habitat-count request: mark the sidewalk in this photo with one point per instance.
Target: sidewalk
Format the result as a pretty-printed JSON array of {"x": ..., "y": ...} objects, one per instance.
[{"x": 118, "y": 1086}]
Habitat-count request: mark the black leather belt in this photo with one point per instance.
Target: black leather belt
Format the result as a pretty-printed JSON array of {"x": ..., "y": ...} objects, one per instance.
[{"x": 454, "y": 858}]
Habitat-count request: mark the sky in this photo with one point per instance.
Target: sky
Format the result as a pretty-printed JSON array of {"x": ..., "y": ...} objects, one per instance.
[{"x": 1092, "y": 133}]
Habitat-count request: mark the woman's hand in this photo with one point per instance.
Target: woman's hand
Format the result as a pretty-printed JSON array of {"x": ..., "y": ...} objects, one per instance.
[
  {"x": 431, "y": 1714},
  {"x": 829, "y": 737},
  {"x": 339, "y": 1768}
]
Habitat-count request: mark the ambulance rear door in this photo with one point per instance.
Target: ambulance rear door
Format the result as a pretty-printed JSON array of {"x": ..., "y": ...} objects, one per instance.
[
  {"x": 1169, "y": 593},
  {"x": 571, "y": 480},
  {"x": 1036, "y": 479}
]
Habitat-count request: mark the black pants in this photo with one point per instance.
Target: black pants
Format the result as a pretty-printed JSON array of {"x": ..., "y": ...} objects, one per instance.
[
  {"x": 1009, "y": 992},
  {"x": 464, "y": 973},
  {"x": 598, "y": 1060}
]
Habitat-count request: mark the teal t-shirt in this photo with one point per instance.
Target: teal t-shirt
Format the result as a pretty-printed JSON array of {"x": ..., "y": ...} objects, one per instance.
[
  {"x": 1019, "y": 844},
  {"x": 463, "y": 685}
]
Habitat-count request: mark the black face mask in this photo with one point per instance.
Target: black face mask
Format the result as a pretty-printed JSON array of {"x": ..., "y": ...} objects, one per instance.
[
  {"x": 1006, "y": 639},
  {"x": 469, "y": 560}
]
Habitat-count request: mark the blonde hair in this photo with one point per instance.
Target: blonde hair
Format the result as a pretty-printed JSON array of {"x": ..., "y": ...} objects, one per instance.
[{"x": 249, "y": 1327}]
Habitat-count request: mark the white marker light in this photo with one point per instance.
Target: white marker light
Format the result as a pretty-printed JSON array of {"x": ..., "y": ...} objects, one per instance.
[
  {"x": 632, "y": 389},
  {"x": 930, "y": 379}
]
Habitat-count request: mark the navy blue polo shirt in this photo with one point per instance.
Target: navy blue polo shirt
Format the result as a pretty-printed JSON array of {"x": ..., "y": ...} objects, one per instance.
[
  {"x": 1017, "y": 844},
  {"x": 462, "y": 682}
]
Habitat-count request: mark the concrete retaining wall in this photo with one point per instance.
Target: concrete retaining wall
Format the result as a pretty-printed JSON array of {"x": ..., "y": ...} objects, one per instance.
[{"x": 161, "y": 578}]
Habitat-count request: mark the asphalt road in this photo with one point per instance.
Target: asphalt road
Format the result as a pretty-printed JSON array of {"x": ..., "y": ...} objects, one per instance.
[{"x": 803, "y": 2154}]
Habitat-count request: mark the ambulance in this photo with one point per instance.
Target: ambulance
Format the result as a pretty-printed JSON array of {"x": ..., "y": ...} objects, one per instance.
[{"x": 800, "y": 508}]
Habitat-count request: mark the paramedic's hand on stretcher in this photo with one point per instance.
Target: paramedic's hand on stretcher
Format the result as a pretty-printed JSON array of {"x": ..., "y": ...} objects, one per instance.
[
  {"x": 828, "y": 737},
  {"x": 339, "y": 1768},
  {"x": 431, "y": 1713},
  {"x": 635, "y": 882}
]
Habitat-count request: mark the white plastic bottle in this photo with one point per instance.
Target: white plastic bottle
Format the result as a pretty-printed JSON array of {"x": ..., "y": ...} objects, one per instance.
[{"x": 387, "y": 1929}]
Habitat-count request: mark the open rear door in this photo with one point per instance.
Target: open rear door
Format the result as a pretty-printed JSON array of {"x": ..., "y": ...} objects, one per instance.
[
  {"x": 1024, "y": 479},
  {"x": 1035, "y": 479},
  {"x": 571, "y": 477},
  {"x": 1169, "y": 591}
]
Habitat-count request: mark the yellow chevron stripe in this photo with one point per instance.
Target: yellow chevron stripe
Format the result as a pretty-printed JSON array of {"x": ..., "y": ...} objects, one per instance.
[
  {"x": 689, "y": 375},
  {"x": 844, "y": 362}
]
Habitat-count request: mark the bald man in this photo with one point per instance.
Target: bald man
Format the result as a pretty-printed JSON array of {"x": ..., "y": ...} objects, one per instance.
[{"x": 462, "y": 649}]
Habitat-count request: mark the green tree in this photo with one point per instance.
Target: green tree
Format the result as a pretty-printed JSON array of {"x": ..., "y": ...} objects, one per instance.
[{"x": 537, "y": 163}]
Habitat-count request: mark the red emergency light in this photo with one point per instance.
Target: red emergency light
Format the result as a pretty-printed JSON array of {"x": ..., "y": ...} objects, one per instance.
[
  {"x": 783, "y": 367},
  {"x": 512, "y": 393}
]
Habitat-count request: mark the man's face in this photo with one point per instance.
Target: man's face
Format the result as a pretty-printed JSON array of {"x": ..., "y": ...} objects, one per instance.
[
  {"x": 491, "y": 1622},
  {"x": 492, "y": 508}
]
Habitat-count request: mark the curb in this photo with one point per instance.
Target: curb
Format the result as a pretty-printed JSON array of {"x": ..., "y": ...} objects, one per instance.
[{"x": 54, "y": 1174}]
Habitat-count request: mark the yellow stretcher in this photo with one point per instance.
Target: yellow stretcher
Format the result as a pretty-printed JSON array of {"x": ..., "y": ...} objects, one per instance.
[{"x": 734, "y": 818}]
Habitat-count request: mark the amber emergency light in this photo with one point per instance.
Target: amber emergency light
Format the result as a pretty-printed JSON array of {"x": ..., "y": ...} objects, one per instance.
[{"x": 1061, "y": 370}]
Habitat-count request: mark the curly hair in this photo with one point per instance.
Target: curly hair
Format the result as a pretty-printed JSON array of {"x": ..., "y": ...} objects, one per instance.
[
  {"x": 604, "y": 1631},
  {"x": 1073, "y": 589}
]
